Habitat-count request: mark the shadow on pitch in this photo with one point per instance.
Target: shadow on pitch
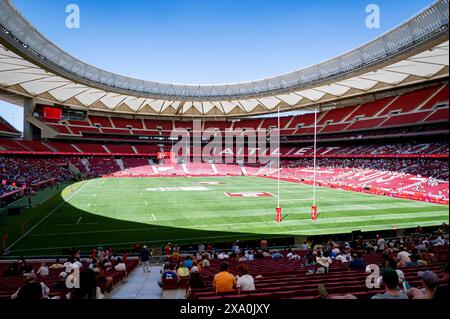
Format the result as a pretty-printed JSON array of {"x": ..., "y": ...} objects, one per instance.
[{"x": 56, "y": 227}]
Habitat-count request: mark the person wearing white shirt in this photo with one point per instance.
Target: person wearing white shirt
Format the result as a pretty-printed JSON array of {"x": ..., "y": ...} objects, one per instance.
[
  {"x": 78, "y": 264},
  {"x": 403, "y": 258},
  {"x": 244, "y": 282},
  {"x": 120, "y": 266},
  {"x": 249, "y": 256},
  {"x": 43, "y": 270},
  {"x": 380, "y": 243}
]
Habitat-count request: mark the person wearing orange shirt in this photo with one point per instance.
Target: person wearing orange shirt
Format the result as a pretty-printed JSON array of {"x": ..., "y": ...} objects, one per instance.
[{"x": 224, "y": 281}]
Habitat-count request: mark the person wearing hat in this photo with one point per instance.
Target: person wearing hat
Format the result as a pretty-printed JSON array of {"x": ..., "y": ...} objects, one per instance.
[
  {"x": 390, "y": 280},
  {"x": 195, "y": 282},
  {"x": 430, "y": 282},
  {"x": 323, "y": 262}
]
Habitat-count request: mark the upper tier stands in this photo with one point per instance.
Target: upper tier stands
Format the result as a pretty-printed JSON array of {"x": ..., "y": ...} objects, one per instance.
[
  {"x": 411, "y": 108},
  {"x": 7, "y": 129},
  {"x": 411, "y": 149}
]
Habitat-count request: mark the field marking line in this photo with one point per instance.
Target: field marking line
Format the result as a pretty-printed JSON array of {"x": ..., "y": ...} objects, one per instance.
[
  {"x": 89, "y": 205},
  {"x": 46, "y": 216},
  {"x": 154, "y": 218},
  {"x": 79, "y": 220},
  {"x": 146, "y": 204},
  {"x": 83, "y": 224}
]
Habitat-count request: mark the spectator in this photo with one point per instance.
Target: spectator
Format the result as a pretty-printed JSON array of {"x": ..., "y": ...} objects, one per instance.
[
  {"x": 31, "y": 290},
  {"x": 205, "y": 261},
  {"x": 390, "y": 281},
  {"x": 245, "y": 282},
  {"x": 120, "y": 266},
  {"x": 195, "y": 282},
  {"x": 249, "y": 255},
  {"x": 182, "y": 271},
  {"x": 357, "y": 263},
  {"x": 169, "y": 274},
  {"x": 168, "y": 249},
  {"x": 430, "y": 282},
  {"x": 277, "y": 255},
  {"x": 380, "y": 243},
  {"x": 224, "y": 281},
  {"x": 323, "y": 262},
  {"x": 56, "y": 265},
  {"x": 188, "y": 262},
  {"x": 144, "y": 258},
  {"x": 264, "y": 244},
  {"x": 403, "y": 257},
  {"x": 43, "y": 270}
]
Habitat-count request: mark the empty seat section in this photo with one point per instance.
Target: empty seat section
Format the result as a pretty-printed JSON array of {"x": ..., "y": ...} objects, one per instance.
[
  {"x": 80, "y": 129},
  {"x": 254, "y": 124},
  {"x": 147, "y": 149},
  {"x": 79, "y": 123},
  {"x": 11, "y": 145},
  {"x": 441, "y": 115},
  {"x": 405, "y": 119},
  {"x": 91, "y": 148},
  {"x": 305, "y": 119},
  {"x": 116, "y": 131},
  {"x": 273, "y": 122},
  {"x": 62, "y": 147},
  {"x": 336, "y": 115},
  {"x": 184, "y": 124},
  {"x": 146, "y": 132},
  {"x": 306, "y": 130},
  {"x": 35, "y": 146},
  {"x": 166, "y": 125},
  {"x": 335, "y": 128},
  {"x": 6, "y": 127},
  {"x": 116, "y": 148},
  {"x": 369, "y": 109},
  {"x": 410, "y": 101},
  {"x": 221, "y": 125},
  {"x": 104, "y": 121},
  {"x": 440, "y": 97},
  {"x": 365, "y": 124},
  {"x": 62, "y": 129},
  {"x": 124, "y": 122}
]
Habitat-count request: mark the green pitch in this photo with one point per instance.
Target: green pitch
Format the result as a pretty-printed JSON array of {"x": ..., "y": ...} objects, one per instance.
[{"x": 120, "y": 212}]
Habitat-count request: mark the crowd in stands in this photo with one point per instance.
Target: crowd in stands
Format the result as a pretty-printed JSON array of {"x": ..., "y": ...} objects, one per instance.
[
  {"x": 76, "y": 278},
  {"x": 23, "y": 173},
  {"x": 411, "y": 267}
]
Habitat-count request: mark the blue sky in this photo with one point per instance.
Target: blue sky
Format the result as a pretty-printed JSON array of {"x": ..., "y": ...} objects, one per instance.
[{"x": 204, "y": 41}]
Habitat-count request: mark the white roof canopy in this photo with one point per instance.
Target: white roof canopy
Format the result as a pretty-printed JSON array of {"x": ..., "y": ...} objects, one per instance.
[{"x": 28, "y": 68}]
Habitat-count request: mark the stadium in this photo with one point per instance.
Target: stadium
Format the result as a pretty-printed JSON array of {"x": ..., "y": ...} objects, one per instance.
[{"x": 297, "y": 179}]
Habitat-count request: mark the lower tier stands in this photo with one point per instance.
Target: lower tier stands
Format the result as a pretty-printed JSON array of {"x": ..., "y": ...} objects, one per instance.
[
  {"x": 416, "y": 178},
  {"x": 12, "y": 278}
]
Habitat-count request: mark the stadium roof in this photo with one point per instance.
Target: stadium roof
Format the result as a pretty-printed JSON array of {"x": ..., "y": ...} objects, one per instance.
[{"x": 32, "y": 66}]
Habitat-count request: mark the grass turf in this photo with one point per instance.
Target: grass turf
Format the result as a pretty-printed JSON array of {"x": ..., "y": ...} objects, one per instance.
[{"x": 120, "y": 212}]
